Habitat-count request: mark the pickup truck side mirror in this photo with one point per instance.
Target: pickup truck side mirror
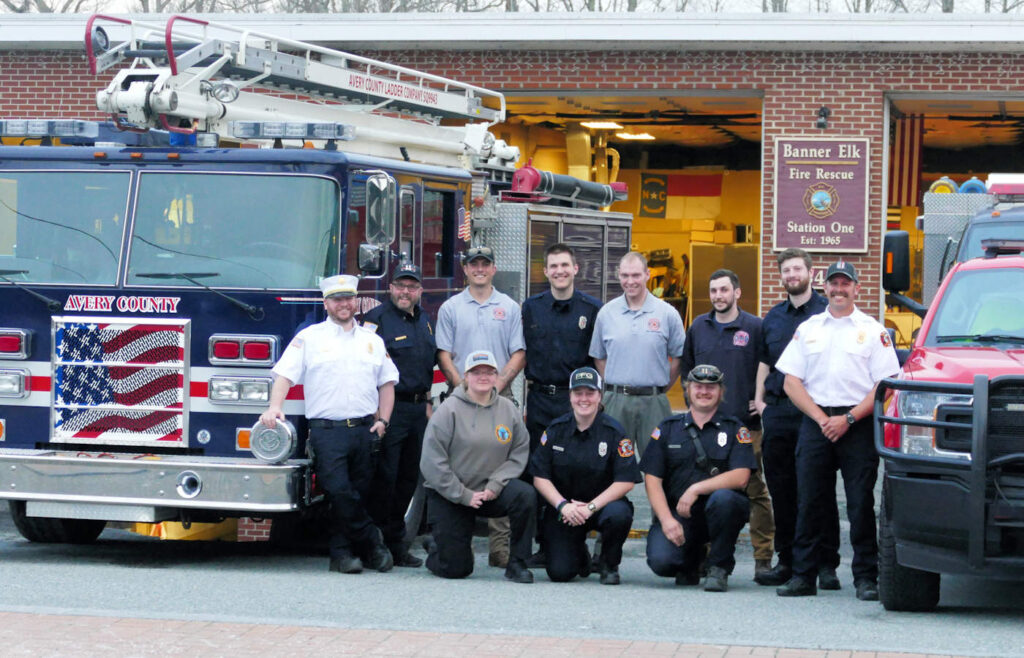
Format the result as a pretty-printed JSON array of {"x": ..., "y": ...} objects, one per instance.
[{"x": 896, "y": 261}]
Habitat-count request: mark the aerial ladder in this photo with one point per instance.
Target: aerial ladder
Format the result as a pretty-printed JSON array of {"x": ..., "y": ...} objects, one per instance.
[{"x": 193, "y": 75}]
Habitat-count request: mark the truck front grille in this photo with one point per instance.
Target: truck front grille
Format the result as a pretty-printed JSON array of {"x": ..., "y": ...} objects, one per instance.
[
  {"x": 119, "y": 381},
  {"x": 1005, "y": 424}
]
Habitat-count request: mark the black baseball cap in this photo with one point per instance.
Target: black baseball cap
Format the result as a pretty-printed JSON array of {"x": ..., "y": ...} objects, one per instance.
[
  {"x": 408, "y": 271},
  {"x": 478, "y": 252},
  {"x": 844, "y": 268},
  {"x": 705, "y": 374},
  {"x": 585, "y": 378}
]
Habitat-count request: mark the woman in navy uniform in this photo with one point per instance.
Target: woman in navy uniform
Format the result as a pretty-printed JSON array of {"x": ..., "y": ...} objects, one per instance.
[
  {"x": 696, "y": 469},
  {"x": 584, "y": 467}
]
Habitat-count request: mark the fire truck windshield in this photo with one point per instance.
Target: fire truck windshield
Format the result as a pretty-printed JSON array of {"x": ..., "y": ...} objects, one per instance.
[
  {"x": 981, "y": 306},
  {"x": 62, "y": 227},
  {"x": 253, "y": 230}
]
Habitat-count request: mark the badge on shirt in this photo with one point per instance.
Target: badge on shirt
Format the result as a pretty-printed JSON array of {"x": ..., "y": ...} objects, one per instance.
[
  {"x": 503, "y": 434},
  {"x": 722, "y": 438},
  {"x": 740, "y": 339},
  {"x": 886, "y": 342},
  {"x": 544, "y": 439},
  {"x": 583, "y": 322},
  {"x": 369, "y": 348},
  {"x": 625, "y": 448},
  {"x": 656, "y": 434},
  {"x": 602, "y": 449},
  {"x": 653, "y": 324},
  {"x": 743, "y": 436},
  {"x": 499, "y": 313},
  {"x": 861, "y": 337}
]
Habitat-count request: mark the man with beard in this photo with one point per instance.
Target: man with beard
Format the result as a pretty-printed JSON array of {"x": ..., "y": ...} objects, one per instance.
[
  {"x": 833, "y": 366},
  {"x": 727, "y": 338},
  {"x": 780, "y": 421},
  {"x": 409, "y": 338},
  {"x": 695, "y": 470},
  {"x": 349, "y": 383}
]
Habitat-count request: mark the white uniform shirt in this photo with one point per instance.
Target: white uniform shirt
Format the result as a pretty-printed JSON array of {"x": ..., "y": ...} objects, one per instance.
[
  {"x": 839, "y": 360},
  {"x": 340, "y": 370}
]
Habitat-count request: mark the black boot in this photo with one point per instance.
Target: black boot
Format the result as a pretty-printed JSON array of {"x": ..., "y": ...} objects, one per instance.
[{"x": 777, "y": 575}]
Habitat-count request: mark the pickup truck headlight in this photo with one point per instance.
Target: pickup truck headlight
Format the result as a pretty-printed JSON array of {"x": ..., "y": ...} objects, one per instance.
[{"x": 916, "y": 440}]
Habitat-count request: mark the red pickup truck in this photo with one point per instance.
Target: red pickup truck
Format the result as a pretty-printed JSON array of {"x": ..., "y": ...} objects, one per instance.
[{"x": 950, "y": 429}]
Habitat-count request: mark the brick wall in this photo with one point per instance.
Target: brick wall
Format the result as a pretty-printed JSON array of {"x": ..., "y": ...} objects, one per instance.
[
  {"x": 253, "y": 529},
  {"x": 794, "y": 86}
]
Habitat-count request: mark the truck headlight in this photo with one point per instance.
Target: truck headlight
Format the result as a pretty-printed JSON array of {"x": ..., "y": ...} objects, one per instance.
[
  {"x": 242, "y": 390},
  {"x": 921, "y": 405},
  {"x": 13, "y": 383}
]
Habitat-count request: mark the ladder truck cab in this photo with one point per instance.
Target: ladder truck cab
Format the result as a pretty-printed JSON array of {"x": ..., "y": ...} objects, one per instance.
[
  {"x": 151, "y": 275},
  {"x": 153, "y": 267}
]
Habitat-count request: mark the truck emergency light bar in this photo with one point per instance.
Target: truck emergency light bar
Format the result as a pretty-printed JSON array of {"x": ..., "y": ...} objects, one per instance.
[
  {"x": 291, "y": 130},
  {"x": 48, "y": 128}
]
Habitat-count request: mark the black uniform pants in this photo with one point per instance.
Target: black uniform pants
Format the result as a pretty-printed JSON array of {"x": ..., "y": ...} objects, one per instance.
[
  {"x": 452, "y": 527},
  {"x": 397, "y": 471},
  {"x": 541, "y": 410},
  {"x": 717, "y": 518},
  {"x": 566, "y": 545},
  {"x": 781, "y": 425},
  {"x": 817, "y": 459},
  {"x": 344, "y": 466}
]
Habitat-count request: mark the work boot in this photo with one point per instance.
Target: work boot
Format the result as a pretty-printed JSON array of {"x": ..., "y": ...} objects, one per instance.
[
  {"x": 498, "y": 558},
  {"x": 827, "y": 579},
  {"x": 403, "y": 558},
  {"x": 517, "y": 572},
  {"x": 688, "y": 578},
  {"x": 346, "y": 563},
  {"x": 379, "y": 556},
  {"x": 778, "y": 575},
  {"x": 610, "y": 576},
  {"x": 867, "y": 590},
  {"x": 717, "y": 580},
  {"x": 538, "y": 560},
  {"x": 761, "y": 568},
  {"x": 798, "y": 586}
]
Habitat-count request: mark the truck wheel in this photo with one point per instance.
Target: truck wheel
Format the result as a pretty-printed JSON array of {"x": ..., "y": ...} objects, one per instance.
[
  {"x": 900, "y": 587},
  {"x": 54, "y": 531}
]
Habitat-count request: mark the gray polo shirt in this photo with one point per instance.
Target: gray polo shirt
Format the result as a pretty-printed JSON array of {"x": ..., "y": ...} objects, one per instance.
[
  {"x": 464, "y": 325},
  {"x": 637, "y": 344}
]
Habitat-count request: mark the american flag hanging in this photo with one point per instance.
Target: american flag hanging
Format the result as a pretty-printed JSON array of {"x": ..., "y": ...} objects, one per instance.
[
  {"x": 905, "y": 163},
  {"x": 465, "y": 225},
  {"x": 118, "y": 382}
]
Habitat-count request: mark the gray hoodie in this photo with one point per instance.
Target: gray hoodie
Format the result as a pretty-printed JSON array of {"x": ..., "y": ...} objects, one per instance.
[{"x": 470, "y": 446}]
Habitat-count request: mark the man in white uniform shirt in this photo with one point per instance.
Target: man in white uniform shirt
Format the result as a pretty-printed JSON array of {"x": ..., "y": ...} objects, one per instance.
[
  {"x": 349, "y": 383},
  {"x": 832, "y": 366}
]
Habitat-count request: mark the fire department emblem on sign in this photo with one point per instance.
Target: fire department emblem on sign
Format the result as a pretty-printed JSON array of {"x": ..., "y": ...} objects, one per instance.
[{"x": 821, "y": 200}]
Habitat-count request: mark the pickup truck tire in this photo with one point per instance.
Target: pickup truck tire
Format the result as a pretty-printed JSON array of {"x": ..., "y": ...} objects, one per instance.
[
  {"x": 900, "y": 587},
  {"x": 54, "y": 531}
]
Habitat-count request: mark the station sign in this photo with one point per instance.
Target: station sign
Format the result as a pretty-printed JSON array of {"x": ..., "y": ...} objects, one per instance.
[{"x": 821, "y": 194}]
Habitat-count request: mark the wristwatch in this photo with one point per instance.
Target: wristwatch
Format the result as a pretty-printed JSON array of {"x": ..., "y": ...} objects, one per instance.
[
  {"x": 850, "y": 418},
  {"x": 386, "y": 423},
  {"x": 592, "y": 507}
]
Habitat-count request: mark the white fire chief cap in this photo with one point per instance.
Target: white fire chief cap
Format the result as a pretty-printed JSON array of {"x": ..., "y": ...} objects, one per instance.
[{"x": 341, "y": 285}]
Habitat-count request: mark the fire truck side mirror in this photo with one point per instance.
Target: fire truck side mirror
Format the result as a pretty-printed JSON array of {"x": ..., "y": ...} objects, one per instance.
[
  {"x": 371, "y": 259},
  {"x": 381, "y": 204},
  {"x": 896, "y": 261}
]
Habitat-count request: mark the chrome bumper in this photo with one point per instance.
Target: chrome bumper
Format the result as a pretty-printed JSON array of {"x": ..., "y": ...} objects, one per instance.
[{"x": 228, "y": 485}]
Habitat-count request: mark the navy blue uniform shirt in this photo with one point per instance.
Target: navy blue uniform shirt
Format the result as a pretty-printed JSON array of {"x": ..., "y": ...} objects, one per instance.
[
  {"x": 583, "y": 464},
  {"x": 733, "y": 348},
  {"x": 777, "y": 330},
  {"x": 409, "y": 339},
  {"x": 672, "y": 457},
  {"x": 557, "y": 335}
]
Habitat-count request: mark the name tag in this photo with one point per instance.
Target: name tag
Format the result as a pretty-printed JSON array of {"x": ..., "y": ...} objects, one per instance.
[
  {"x": 558, "y": 448},
  {"x": 674, "y": 445},
  {"x": 398, "y": 338}
]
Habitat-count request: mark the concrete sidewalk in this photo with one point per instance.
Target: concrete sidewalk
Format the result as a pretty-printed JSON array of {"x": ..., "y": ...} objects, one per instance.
[{"x": 25, "y": 634}]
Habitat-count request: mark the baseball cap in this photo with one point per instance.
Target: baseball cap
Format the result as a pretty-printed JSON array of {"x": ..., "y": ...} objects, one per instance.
[
  {"x": 408, "y": 271},
  {"x": 585, "y": 378},
  {"x": 844, "y": 268},
  {"x": 478, "y": 252},
  {"x": 480, "y": 358},
  {"x": 705, "y": 374},
  {"x": 341, "y": 285}
]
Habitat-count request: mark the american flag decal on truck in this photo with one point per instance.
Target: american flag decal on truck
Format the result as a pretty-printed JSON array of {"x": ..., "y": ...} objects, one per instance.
[{"x": 119, "y": 382}]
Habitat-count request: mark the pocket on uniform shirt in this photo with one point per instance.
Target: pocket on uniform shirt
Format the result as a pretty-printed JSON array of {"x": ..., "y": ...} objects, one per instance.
[{"x": 856, "y": 350}]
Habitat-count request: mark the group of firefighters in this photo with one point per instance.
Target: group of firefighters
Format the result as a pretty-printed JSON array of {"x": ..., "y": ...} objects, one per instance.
[{"x": 596, "y": 417}]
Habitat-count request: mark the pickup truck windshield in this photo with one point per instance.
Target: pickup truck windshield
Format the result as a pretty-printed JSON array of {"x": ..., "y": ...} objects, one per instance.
[
  {"x": 246, "y": 230},
  {"x": 62, "y": 226},
  {"x": 981, "y": 307}
]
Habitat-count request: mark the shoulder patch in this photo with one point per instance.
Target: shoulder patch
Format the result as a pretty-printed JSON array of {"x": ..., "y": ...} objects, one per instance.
[
  {"x": 370, "y": 326},
  {"x": 296, "y": 343},
  {"x": 885, "y": 339},
  {"x": 656, "y": 434},
  {"x": 625, "y": 448},
  {"x": 544, "y": 439},
  {"x": 743, "y": 436}
]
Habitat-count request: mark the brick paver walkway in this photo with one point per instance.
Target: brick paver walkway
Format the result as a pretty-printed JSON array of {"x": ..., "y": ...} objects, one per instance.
[{"x": 25, "y": 634}]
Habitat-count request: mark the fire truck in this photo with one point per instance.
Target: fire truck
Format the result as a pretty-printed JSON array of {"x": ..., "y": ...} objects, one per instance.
[{"x": 153, "y": 267}]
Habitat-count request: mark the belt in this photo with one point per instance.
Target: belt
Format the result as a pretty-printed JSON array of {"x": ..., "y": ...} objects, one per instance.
[
  {"x": 774, "y": 399},
  {"x": 413, "y": 397},
  {"x": 325, "y": 424},
  {"x": 547, "y": 389},
  {"x": 635, "y": 390},
  {"x": 836, "y": 411}
]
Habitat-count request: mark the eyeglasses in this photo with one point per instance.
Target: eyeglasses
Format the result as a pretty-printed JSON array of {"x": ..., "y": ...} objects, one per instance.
[
  {"x": 407, "y": 287},
  {"x": 705, "y": 375}
]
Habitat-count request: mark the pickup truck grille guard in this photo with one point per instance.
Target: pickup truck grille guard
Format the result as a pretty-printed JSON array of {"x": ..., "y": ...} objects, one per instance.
[{"x": 991, "y": 430}]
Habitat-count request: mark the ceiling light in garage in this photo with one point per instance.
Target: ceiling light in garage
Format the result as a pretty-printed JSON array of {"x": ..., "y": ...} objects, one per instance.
[
  {"x": 635, "y": 136},
  {"x": 601, "y": 125}
]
